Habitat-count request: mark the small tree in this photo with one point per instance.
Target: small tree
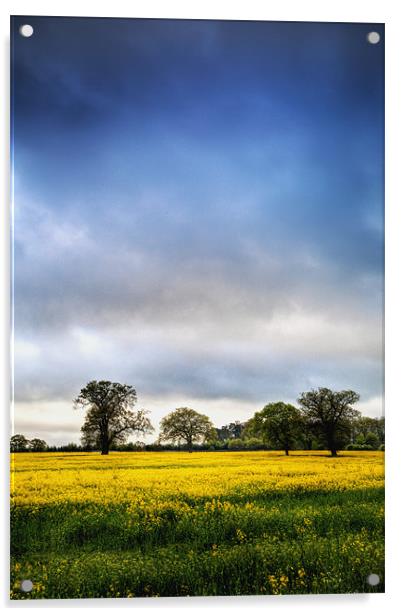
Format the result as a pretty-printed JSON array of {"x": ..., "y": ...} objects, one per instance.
[
  {"x": 36, "y": 444},
  {"x": 18, "y": 442},
  {"x": 109, "y": 414},
  {"x": 188, "y": 426},
  {"x": 279, "y": 423},
  {"x": 330, "y": 414}
]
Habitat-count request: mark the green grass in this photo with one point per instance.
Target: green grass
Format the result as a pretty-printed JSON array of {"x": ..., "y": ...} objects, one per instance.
[{"x": 94, "y": 551}]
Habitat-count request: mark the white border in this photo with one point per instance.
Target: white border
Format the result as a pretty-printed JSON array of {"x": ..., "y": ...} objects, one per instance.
[{"x": 285, "y": 10}]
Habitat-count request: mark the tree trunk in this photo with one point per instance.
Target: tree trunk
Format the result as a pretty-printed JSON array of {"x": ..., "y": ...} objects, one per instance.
[
  {"x": 287, "y": 453},
  {"x": 190, "y": 446},
  {"x": 105, "y": 447},
  {"x": 332, "y": 447},
  {"x": 331, "y": 444}
]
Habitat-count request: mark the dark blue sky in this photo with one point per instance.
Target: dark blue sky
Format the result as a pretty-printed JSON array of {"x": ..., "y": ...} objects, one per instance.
[{"x": 198, "y": 211}]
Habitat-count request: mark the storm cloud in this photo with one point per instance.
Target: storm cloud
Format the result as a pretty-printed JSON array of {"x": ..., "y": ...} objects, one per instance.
[{"x": 198, "y": 211}]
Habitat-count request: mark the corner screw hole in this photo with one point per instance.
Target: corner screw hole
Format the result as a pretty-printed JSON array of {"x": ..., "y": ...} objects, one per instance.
[
  {"x": 26, "y": 585},
  {"x": 373, "y": 38},
  {"x": 26, "y": 30},
  {"x": 373, "y": 579}
]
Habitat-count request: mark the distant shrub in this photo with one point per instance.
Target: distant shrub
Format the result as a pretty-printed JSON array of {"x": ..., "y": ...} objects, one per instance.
[
  {"x": 236, "y": 444},
  {"x": 254, "y": 444},
  {"x": 373, "y": 440},
  {"x": 359, "y": 447}
]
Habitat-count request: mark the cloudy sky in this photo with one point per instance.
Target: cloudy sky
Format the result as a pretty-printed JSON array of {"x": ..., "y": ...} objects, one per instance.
[{"x": 198, "y": 212}]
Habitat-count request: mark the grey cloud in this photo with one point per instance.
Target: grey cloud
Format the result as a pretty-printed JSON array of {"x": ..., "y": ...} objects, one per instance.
[{"x": 67, "y": 274}]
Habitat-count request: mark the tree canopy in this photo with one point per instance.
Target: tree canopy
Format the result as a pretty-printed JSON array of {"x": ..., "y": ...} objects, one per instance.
[
  {"x": 324, "y": 419},
  {"x": 110, "y": 417},
  {"x": 330, "y": 414},
  {"x": 278, "y": 423},
  {"x": 37, "y": 444},
  {"x": 19, "y": 442},
  {"x": 186, "y": 425},
  {"x": 232, "y": 430}
]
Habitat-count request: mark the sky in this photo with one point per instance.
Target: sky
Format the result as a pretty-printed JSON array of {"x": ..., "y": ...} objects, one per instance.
[{"x": 198, "y": 212}]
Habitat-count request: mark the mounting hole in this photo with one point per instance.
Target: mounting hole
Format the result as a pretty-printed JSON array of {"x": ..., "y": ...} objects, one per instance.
[
  {"x": 26, "y": 30},
  {"x": 26, "y": 585},
  {"x": 373, "y": 38},
  {"x": 373, "y": 579}
]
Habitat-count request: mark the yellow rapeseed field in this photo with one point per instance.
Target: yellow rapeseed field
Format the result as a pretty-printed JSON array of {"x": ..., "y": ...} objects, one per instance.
[
  {"x": 172, "y": 523},
  {"x": 39, "y": 478}
]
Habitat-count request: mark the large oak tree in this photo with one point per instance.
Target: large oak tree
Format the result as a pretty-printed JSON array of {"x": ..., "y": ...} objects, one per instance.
[
  {"x": 110, "y": 417},
  {"x": 329, "y": 414}
]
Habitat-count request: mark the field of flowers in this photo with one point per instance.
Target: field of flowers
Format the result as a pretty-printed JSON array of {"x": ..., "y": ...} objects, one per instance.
[{"x": 173, "y": 524}]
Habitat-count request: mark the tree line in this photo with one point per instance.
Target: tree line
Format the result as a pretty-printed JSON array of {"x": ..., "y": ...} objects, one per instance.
[{"x": 323, "y": 419}]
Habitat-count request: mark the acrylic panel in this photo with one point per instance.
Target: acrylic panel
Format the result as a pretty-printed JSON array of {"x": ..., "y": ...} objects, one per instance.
[{"x": 197, "y": 308}]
